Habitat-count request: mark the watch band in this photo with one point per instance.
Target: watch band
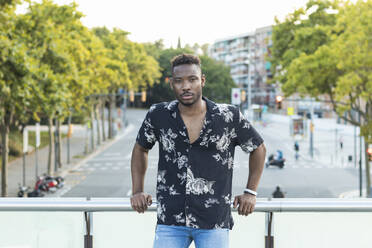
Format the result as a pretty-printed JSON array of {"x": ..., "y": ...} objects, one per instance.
[{"x": 249, "y": 191}]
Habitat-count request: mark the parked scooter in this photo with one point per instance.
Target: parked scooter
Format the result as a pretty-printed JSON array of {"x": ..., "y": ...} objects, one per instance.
[
  {"x": 271, "y": 161},
  {"x": 26, "y": 191},
  {"x": 22, "y": 190},
  {"x": 49, "y": 184},
  {"x": 44, "y": 183}
]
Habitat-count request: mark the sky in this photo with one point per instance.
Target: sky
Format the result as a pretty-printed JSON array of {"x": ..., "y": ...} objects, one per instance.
[{"x": 194, "y": 21}]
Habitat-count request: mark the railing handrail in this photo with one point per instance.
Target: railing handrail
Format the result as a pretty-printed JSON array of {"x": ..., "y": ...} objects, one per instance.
[{"x": 123, "y": 204}]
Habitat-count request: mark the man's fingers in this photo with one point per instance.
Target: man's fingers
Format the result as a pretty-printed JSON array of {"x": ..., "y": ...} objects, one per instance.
[
  {"x": 241, "y": 208},
  {"x": 149, "y": 200},
  {"x": 251, "y": 208},
  {"x": 235, "y": 202},
  {"x": 245, "y": 209},
  {"x": 139, "y": 203}
]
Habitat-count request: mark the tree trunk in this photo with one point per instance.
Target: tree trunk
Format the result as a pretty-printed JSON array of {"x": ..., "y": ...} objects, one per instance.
[
  {"x": 368, "y": 177},
  {"x": 93, "y": 145},
  {"x": 59, "y": 161},
  {"x": 86, "y": 139},
  {"x": 96, "y": 117},
  {"x": 5, "y": 154},
  {"x": 110, "y": 117},
  {"x": 103, "y": 119},
  {"x": 51, "y": 146}
]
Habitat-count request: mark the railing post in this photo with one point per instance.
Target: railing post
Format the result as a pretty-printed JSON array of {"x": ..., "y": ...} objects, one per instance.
[
  {"x": 88, "y": 238},
  {"x": 269, "y": 238}
]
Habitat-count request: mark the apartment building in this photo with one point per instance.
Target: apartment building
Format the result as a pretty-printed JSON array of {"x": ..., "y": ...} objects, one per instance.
[{"x": 246, "y": 54}]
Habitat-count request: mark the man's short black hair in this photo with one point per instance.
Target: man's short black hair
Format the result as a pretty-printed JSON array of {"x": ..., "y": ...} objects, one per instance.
[{"x": 185, "y": 59}]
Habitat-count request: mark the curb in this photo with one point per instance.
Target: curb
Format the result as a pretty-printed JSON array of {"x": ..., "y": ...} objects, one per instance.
[{"x": 353, "y": 194}]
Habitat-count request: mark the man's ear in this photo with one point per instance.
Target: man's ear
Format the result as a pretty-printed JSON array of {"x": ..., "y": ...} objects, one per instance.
[{"x": 202, "y": 80}]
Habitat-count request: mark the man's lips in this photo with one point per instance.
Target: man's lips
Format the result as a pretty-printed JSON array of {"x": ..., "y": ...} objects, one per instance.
[{"x": 186, "y": 96}]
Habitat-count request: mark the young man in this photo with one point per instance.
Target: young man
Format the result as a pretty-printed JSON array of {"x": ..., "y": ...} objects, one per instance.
[{"x": 197, "y": 139}]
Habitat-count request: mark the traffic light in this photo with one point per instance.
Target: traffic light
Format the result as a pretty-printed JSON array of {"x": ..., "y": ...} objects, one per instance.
[
  {"x": 143, "y": 96},
  {"x": 369, "y": 151},
  {"x": 279, "y": 100},
  {"x": 131, "y": 96},
  {"x": 243, "y": 96}
]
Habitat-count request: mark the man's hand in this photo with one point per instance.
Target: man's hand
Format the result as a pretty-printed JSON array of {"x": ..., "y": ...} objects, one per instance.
[
  {"x": 246, "y": 203},
  {"x": 140, "y": 201}
]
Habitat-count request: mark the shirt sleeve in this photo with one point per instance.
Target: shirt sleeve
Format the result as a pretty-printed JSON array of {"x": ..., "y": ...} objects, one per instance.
[
  {"x": 146, "y": 135},
  {"x": 247, "y": 137}
]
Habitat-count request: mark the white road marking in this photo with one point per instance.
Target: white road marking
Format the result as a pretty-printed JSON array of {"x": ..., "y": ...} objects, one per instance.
[
  {"x": 108, "y": 159},
  {"x": 112, "y": 154}
]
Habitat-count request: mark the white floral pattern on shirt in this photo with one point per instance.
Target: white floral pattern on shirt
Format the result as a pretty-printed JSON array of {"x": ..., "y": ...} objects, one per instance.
[
  {"x": 249, "y": 146},
  {"x": 209, "y": 202},
  {"x": 167, "y": 140},
  {"x": 180, "y": 218},
  {"x": 225, "y": 112},
  {"x": 198, "y": 186}
]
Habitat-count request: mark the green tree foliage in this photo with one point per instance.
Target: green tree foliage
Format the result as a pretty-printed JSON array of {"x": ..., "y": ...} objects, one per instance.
[
  {"x": 218, "y": 80},
  {"x": 15, "y": 85},
  {"x": 330, "y": 53},
  {"x": 50, "y": 63}
]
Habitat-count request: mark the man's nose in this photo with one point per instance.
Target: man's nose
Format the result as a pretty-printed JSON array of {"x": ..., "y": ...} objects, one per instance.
[{"x": 186, "y": 85}]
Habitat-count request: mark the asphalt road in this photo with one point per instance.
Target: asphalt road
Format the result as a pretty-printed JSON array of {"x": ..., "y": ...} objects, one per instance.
[{"x": 108, "y": 173}]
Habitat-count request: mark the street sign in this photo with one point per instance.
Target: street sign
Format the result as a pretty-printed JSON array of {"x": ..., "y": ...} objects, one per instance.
[
  {"x": 37, "y": 134},
  {"x": 25, "y": 140},
  {"x": 235, "y": 96},
  {"x": 290, "y": 111}
]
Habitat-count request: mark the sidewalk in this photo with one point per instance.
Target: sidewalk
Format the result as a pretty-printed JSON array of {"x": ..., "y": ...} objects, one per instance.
[{"x": 77, "y": 147}]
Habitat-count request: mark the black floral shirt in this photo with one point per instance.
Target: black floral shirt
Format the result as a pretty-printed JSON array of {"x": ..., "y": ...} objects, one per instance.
[{"x": 194, "y": 180}]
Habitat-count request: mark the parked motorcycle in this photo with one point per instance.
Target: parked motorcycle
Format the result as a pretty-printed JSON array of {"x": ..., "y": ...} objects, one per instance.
[
  {"x": 48, "y": 183},
  {"x": 44, "y": 183},
  {"x": 271, "y": 161},
  {"x": 26, "y": 191}
]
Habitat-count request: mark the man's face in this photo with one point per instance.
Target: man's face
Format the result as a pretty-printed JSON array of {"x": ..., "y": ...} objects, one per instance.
[{"x": 187, "y": 83}]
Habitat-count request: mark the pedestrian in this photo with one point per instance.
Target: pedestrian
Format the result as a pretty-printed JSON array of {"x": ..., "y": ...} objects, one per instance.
[
  {"x": 297, "y": 149},
  {"x": 278, "y": 193},
  {"x": 341, "y": 143},
  {"x": 197, "y": 138}
]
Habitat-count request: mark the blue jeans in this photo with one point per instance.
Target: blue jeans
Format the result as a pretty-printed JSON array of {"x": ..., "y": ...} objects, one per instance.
[{"x": 182, "y": 236}]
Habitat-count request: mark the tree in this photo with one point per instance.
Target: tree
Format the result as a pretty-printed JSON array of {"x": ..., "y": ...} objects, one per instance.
[
  {"x": 335, "y": 62},
  {"x": 15, "y": 84},
  {"x": 49, "y": 31},
  {"x": 218, "y": 80}
]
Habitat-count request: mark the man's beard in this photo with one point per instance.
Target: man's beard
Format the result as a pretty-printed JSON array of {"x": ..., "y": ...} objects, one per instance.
[{"x": 188, "y": 104}]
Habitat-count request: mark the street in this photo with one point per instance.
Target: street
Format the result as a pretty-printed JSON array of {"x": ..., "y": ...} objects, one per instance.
[{"x": 107, "y": 174}]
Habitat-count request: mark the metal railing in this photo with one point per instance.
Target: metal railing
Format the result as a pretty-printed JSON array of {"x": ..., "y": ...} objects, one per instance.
[{"x": 89, "y": 206}]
